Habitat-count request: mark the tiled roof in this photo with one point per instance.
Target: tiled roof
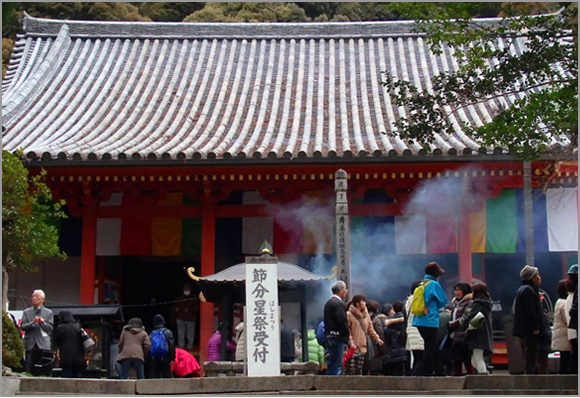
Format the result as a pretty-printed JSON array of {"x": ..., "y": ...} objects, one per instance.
[{"x": 198, "y": 92}]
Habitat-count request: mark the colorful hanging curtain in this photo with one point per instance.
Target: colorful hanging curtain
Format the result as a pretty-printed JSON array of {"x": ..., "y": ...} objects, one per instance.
[
  {"x": 478, "y": 230},
  {"x": 135, "y": 231},
  {"x": 190, "y": 232},
  {"x": 539, "y": 221},
  {"x": 317, "y": 223},
  {"x": 441, "y": 233},
  {"x": 255, "y": 229},
  {"x": 166, "y": 232},
  {"x": 109, "y": 229},
  {"x": 501, "y": 220},
  {"x": 410, "y": 234}
]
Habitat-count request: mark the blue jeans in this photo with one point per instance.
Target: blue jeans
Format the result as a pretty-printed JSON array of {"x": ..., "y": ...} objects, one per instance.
[
  {"x": 335, "y": 350},
  {"x": 126, "y": 364}
]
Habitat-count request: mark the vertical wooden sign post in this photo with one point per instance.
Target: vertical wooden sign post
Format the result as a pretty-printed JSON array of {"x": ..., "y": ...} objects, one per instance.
[{"x": 342, "y": 228}]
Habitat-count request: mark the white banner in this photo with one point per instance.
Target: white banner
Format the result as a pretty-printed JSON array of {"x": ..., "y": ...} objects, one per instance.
[
  {"x": 263, "y": 320},
  {"x": 562, "y": 214}
]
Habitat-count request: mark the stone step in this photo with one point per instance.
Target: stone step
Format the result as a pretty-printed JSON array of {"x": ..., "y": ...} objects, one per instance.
[
  {"x": 528, "y": 382},
  {"x": 300, "y": 385}
]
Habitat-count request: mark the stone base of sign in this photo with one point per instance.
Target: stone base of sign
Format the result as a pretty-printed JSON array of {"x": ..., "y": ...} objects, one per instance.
[{"x": 230, "y": 368}]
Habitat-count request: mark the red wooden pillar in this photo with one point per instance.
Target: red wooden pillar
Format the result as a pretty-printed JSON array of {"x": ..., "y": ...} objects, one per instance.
[
  {"x": 465, "y": 266},
  {"x": 207, "y": 268},
  {"x": 88, "y": 254}
]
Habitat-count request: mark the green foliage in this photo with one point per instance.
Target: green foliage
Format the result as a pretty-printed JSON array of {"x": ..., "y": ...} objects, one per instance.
[
  {"x": 319, "y": 11},
  {"x": 84, "y": 11},
  {"x": 28, "y": 216},
  {"x": 7, "y": 46},
  {"x": 543, "y": 78},
  {"x": 248, "y": 12},
  {"x": 10, "y": 23},
  {"x": 12, "y": 345},
  {"x": 364, "y": 12},
  {"x": 168, "y": 11}
]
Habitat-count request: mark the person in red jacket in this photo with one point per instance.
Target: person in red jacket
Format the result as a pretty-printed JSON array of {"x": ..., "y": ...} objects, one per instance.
[{"x": 185, "y": 364}]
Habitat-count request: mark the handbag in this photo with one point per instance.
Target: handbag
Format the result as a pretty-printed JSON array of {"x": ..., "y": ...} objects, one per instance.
[
  {"x": 370, "y": 348},
  {"x": 476, "y": 322},
  {"x": 88, "y": 343}
]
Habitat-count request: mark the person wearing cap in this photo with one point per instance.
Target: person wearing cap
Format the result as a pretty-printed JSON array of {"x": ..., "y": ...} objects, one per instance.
[
  {"x": 572, "y": 310},
  {"x": 530, "y": 323},
  {"x": 428, "y": 324}
]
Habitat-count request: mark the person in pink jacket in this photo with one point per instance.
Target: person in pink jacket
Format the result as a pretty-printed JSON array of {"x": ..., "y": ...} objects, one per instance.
[{"x": 214, "y": 345}]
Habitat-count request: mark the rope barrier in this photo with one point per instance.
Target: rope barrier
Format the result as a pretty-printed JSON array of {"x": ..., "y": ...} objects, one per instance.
[{"x": 48, "y": 302}]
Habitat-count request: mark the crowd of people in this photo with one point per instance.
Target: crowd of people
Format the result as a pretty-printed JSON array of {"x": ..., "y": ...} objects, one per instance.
[
  {"x": 429, "y": 335},
  {"x": 138, "y": 349},
  {"x": 426, "y": 334}
]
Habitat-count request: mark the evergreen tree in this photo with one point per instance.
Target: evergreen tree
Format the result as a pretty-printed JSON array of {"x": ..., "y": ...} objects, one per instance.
[{"x": 543, "y": 77}]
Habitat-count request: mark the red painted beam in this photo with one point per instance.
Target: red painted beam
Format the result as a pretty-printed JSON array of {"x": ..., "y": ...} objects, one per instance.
[
  {"x": 234, "y": 211},
  {"x": 464, "y": 246},
  {"x": 207, "y": 268},
  {"x": 88, "y": 255}
]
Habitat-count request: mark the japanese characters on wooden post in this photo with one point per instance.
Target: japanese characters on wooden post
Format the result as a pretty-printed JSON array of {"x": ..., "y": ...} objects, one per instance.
[
  {"x": 342, "y": 227},
  {"x": 263, "y": 320}
]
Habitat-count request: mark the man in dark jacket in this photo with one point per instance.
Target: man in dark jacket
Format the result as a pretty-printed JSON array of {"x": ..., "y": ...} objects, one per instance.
[
  {"x": 336, "y": 328},
  {"x": 529, "y": 321},
  {"x": 161, "y": 364}
]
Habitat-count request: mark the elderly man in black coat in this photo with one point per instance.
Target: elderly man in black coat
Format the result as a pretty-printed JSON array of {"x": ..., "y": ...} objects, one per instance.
[{"x": 530, "y": 323}]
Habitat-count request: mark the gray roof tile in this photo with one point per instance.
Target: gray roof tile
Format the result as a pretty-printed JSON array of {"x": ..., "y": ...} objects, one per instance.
[{"x": 214, "y": 91}]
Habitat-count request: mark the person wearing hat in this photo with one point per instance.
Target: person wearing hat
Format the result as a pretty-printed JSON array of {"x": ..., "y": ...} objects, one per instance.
[
  {"x": 572, "y": 310},
  {"x": 428, "y": 324},
  {"x": 530, "y": 323}
]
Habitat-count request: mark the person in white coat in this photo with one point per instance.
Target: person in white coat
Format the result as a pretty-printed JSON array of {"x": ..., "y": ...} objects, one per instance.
[
  {"x": 240, "y": 339},
  {"x": 415, "y": 344},
  {"x": 560, "y": 340}
]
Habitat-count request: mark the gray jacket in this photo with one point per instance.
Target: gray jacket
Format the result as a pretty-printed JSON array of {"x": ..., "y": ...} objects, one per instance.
[{"x": 35, "y": 333}]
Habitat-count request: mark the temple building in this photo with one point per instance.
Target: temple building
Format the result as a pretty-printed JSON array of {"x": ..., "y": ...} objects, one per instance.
[{"x": 180, "y": 145}]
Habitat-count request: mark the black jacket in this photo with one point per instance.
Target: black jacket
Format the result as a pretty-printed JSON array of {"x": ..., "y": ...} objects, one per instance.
[
  {"x": 574, "y": 311},
  {"x": 67, "y": 337},
  {"x": 528, "y": 312},
  {"x": 335, "y": 323},
  {"x": 481, "y": 338},
  {"x": 394, "y": 341},
  {"x": 286, "y": 342}
]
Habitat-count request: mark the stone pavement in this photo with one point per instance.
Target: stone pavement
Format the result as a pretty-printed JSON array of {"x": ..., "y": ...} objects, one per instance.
[{"x": 299, "y": 385}]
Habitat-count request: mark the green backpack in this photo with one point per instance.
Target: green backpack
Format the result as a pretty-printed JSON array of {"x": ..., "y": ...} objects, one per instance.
[{"x": 418, "y": 303}]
